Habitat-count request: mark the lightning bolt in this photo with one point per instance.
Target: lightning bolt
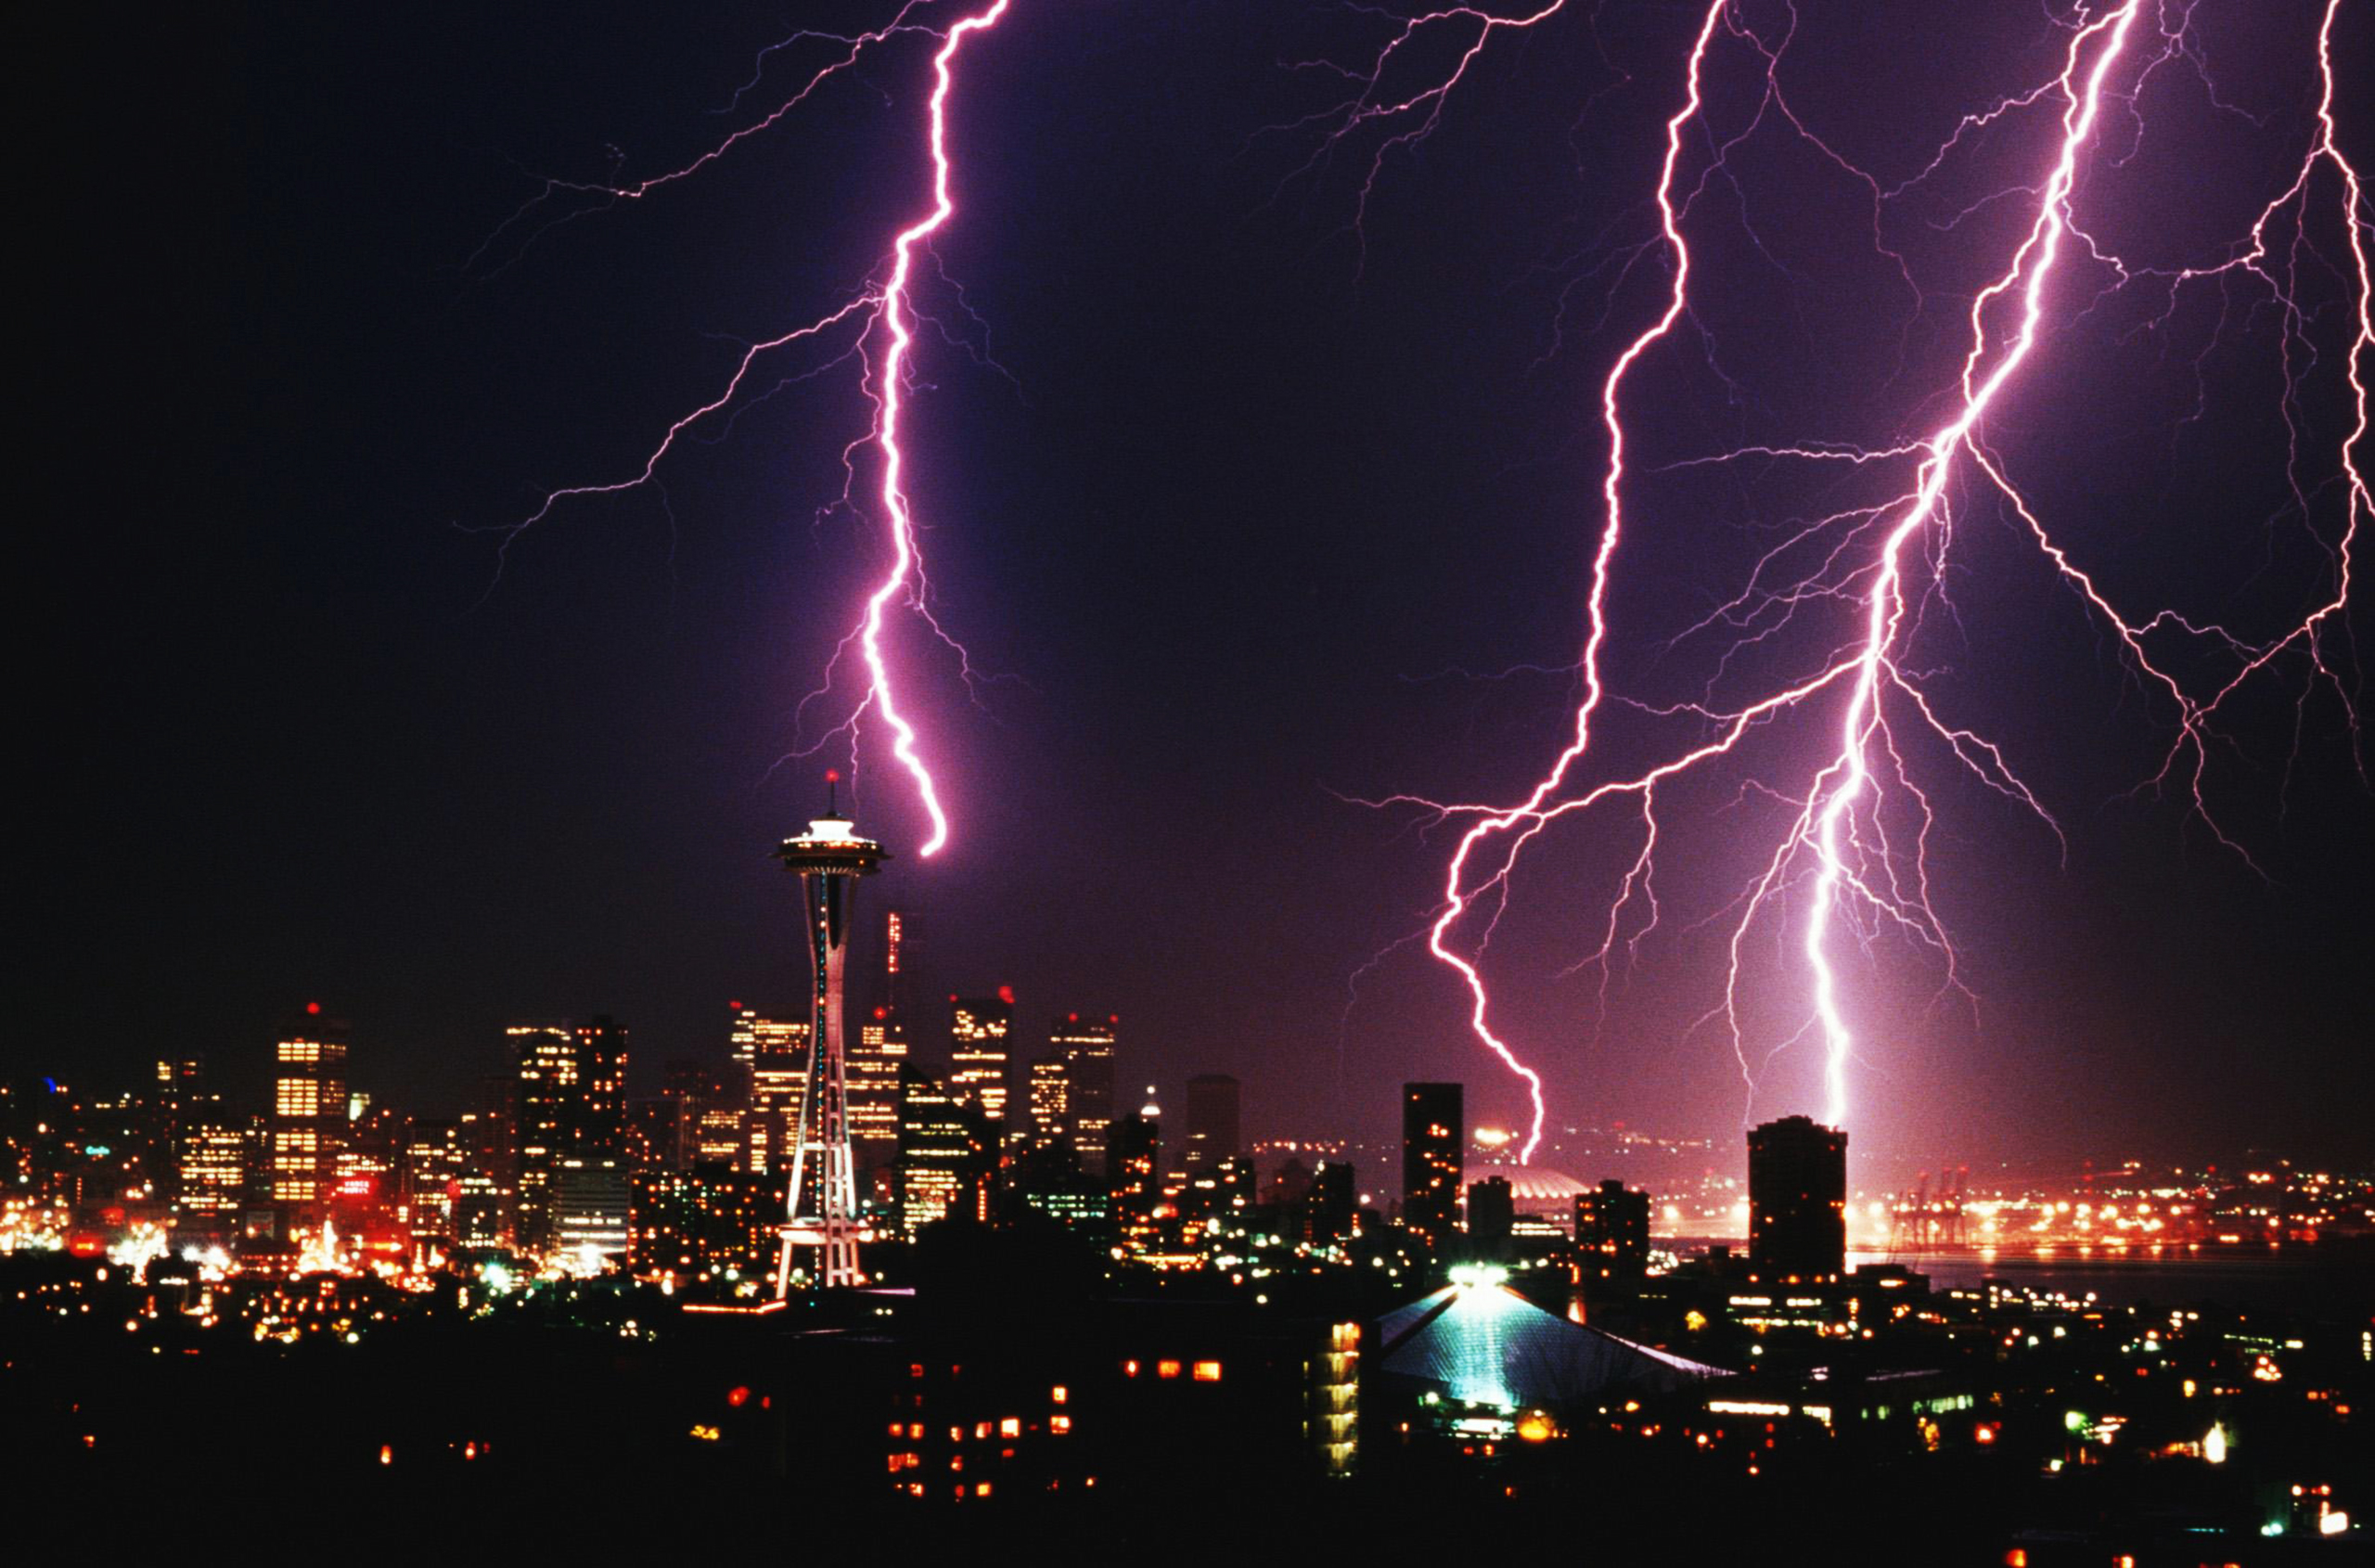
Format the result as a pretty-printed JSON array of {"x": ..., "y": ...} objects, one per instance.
[
  {"x": 1886, "y": 561},
  {"x": 877, "y": 325}
]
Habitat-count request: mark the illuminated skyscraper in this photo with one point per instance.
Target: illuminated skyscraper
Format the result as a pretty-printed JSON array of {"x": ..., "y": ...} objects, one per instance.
[
  {"x": 1434, "y": 1132},
  {"x": 1797, "y": 1201},
  {"x": 820, "y": 1197},
  {"x": 873, "y": 1066},
  {"x": 572, "y": 1117},
  {"x": 1051, "y": 1098},
  {"x": 1087, "y": 1047},
  {"x": 772, "y": 1057},
  {"x": 943, "y": 1152},
  {"x": 874, "y": 1090},
  {"x": 308, "y": 1110},
  {"x": 212, "y": 1174},
  {"x": 435, "y": 1163},
  {"x": 1134, "y": 1175},
  {"x": 978, "y": 1028},
  {"x": 1213, "y": 1135},
  {"x": 543, "y": 1059}
]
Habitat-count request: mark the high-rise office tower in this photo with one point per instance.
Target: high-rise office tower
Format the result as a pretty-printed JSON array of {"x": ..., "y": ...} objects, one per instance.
[
  {"x": 308, "y": 1110},
  {"x": 1329, "y": 1207},
  {"x": 978, "y": 1031},
  {"x": 771, "y": 1056},
  {"x": 1134, "y": 1175},
  {"x": 213, "y": 1173},
  {"x": 820, "y": 1198},
  {"x": 1434, "y": 1135},
  {"x": 1612, "y": 1231},
  {"x": 1087, "y": 1047},
  {"x": 486, "y": 1208},
  {"x": 600, "y": 1109},
  {"x": 1213, "y": 1135},
  {"x": 1492, "y": 1210},
  {"x": 874, "y": 1069},
  {"x": 1051, "y": 1089},
  {"x": 943, "y": 1152},
  {"x": 1797, "y": 1201},
  {"x": 434, "y": 1165},
  {"x": 874, "y": 1096},
  {"x": 545, "y": 1062}
]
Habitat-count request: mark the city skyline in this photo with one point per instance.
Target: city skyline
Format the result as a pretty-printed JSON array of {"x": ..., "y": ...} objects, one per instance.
[{"x": 438, "y": 801}]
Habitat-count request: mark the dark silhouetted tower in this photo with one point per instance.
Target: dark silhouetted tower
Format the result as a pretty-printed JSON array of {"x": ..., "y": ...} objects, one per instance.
[
  {"x": 1797, "y": 1201},
  {"x": 1612, "y": 1231},
  {"x": 1434, "y": 1129},
  {"x": 1492, "y": 1210},
  {"x": 1212, "y": 1134}
]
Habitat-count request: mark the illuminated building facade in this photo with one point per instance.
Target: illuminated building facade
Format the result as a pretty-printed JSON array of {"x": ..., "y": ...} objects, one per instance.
[
  {"x": 434, "y": 1163},
  {"x": 572, "y": 1114},
  {"x": 941, "y": 1152},
  {"x": 772, "y": 1054},
  {"x": 544, "y": 1060},
  {"x": 1797, "y": 1201},
  {"x": 712, "y": 1226},
  {"x": 1434, "y": 1135},
  {"x": 873, "y": 1066},
  {"x": 820, "y": 1195},
  {"x": 1612, "y": 1231},
  {"x": 214, "y": 1156},
  {"x": 1134, "y": 1175},
  {"x": 978, "y": 1031},
  {"x": 1087, "y": 1047},
  {"x": 308, "y": 1123},
  {"x": 590, "y": 1213},
  {"x": 1051, "y": 1101},
  {"x": 1213, "y": 1124}
]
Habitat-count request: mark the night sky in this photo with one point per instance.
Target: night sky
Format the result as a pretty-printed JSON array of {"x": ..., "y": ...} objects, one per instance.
[{"x": 1229, "y": 504}]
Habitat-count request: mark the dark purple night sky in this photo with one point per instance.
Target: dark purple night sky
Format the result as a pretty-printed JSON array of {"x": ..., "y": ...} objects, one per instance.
[{"x": 1225, "y": 499}]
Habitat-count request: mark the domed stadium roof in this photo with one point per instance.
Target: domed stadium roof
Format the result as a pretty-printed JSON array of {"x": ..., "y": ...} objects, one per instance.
[{"x": 1534, "y": 1189}]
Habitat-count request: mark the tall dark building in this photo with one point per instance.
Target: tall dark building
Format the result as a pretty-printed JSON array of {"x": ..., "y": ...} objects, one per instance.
[
  {"x": 1492, "y": 1210},
  {"x": 1088, "y": 1048},
  {"x": 1134, "y": 1175},
  {"x": 1797, "y": 1201},
  {"x": 1612, "y": 1231},
  {"x": 1212, "y": 1131},
  {"x": 1330, "y": 1206},
  {"x": 1434, "y": 1131}
]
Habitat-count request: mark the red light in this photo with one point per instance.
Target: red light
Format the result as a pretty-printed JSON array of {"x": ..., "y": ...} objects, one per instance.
[
  {"x": 1072, "y": 1018},
  {"x": 1006, "y": 995},
  {"x": 738, "y": 1397},
  {"x": 883, "y": 1012},
  {"x": 832, "y": 776},
  {"x": 313, "y": 1008},
  {"x": 736, "y": 1006},
  {"x": 1113, "y": 1018}
]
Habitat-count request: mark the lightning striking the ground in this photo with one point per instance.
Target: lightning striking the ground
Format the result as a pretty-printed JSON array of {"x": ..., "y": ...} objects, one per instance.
[
  {"x": 1852, "y": 860},
  {"x": 876, "y": 326}
]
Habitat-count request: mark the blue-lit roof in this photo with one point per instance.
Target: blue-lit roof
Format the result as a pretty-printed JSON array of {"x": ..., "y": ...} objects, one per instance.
[{"x": 1487, "y": 1344}]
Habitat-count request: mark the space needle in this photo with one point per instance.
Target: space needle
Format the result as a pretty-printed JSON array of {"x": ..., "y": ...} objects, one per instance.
[{"x": 821, "y": 1204}]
